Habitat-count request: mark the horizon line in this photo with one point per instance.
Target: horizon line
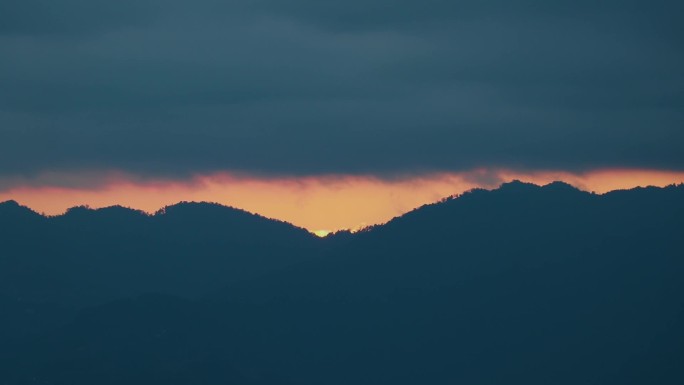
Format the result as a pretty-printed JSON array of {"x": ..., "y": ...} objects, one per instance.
[{"x": 322, "y": 233}]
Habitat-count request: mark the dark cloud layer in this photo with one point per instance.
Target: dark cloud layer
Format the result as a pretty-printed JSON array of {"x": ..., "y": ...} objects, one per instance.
[{"x": 171, "y": 88}]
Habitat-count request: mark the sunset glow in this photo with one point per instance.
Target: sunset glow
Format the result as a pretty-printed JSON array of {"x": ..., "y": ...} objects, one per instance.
[{"x": 320, "y": 204}]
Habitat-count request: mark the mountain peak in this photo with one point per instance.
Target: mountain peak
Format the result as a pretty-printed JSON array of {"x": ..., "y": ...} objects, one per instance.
[
  {"x": 78, "y": 210},
  {"x": 195, "y": 208},
  {"x": 560, "y": 186},
  {"x": 518, "y": 186},
  {"x": 13, "y": 211},
  {"x": 12, "y": 206}
]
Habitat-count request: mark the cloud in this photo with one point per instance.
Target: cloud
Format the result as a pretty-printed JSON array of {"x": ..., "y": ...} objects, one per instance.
[
  {"x": 47, "y": 18},
  {"x": 300, "y": 87}
]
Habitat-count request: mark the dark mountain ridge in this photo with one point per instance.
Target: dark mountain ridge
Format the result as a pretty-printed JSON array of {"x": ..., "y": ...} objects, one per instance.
[
  {"x": 522, "y": 284},
  {"x": 88, "y": 255}
]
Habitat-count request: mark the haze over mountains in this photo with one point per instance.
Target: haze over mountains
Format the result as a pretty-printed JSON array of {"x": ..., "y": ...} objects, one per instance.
[{"x": 522, "y": 284}]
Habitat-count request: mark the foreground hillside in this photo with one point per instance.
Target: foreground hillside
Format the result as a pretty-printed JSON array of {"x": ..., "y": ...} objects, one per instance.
[{"x": 523, "y": 284}]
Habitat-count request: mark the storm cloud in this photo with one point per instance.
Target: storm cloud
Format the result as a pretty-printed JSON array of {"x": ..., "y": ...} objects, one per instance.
[{"x": 303, "y": 87}]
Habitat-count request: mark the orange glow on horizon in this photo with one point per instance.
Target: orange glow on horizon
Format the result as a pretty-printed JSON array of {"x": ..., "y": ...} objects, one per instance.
[{"x": 319, "y": 204}]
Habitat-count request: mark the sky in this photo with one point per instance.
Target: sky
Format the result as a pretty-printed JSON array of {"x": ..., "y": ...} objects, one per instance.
[{"x": 325, "y": 109}]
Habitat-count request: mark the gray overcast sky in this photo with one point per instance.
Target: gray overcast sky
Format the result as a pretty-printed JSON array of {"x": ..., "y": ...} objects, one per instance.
[{"x": 171, "y": 88}]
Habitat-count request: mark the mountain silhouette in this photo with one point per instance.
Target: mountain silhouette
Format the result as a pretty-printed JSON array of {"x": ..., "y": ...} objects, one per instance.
[
  {"x": 88, "y": 256},
  {"x": 523, "y": 284}
]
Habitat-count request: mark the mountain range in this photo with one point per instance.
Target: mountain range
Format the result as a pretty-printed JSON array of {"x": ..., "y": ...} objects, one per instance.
[{"x": 522, "y": 284}]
